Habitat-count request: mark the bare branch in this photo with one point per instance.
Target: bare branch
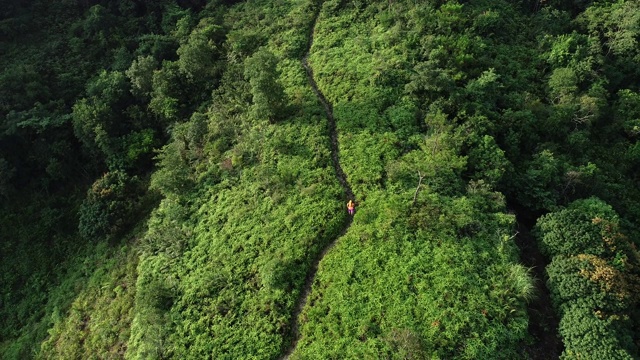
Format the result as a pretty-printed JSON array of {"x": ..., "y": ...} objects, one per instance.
[{"x": 415, "y": 196}]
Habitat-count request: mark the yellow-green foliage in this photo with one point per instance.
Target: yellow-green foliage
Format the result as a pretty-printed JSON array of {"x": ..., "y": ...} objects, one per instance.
[
  {"x": 99, "y": 318},
  {"x": 459, "y": 296},
  {"x": 232, "y": 272},
  {"x": 434, "y": 278},
  {"x": 220, "y": 275}
]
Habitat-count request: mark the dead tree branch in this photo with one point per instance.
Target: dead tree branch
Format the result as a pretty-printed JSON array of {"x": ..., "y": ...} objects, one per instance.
[{"x": 415, "y": 196}]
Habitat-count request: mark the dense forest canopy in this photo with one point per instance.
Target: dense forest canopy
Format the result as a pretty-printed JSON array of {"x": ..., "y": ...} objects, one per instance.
[{"x": 174, "y": 174}]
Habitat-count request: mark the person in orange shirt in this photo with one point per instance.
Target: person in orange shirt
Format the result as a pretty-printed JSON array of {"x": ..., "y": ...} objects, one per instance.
[{"x": 351, "y": 207}]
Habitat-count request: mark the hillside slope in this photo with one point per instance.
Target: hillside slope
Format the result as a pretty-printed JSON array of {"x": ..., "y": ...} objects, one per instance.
[{"x": 223, "y": 140}]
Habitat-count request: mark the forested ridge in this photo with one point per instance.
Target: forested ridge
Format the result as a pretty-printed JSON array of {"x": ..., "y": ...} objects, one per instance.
[{"x": 174, "y": 174}]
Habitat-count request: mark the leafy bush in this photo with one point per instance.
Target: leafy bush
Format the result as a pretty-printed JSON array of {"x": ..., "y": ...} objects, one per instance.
[
  {"x": 594, "y": 278},
  {"x": 573, "y": 231},
  {"x": 588, "y": 335},
  {"x": 570, "y": 284},
  {"x": 110, "y": 206}
]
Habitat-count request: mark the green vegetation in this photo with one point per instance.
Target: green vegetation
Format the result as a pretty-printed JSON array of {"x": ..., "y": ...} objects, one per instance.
[
  {"x": 594, "y": 278},
  {"x": 167, "y": 177}
]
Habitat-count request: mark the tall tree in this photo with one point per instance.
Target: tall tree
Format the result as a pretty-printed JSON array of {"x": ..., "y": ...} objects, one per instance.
[{"x": 268, "y": 94}]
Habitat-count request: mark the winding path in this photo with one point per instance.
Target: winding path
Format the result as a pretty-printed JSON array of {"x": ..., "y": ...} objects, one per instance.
[{"x": 335, "y": 157}]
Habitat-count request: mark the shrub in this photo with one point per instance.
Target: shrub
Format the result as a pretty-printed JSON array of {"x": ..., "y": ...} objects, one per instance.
[
  {"x": 593, "y": 279},
  {"x": 569, "y": 282},
  {"x": 587, "y": 335},
  {"x": 572, "y": 231},
  {"x": 110, "y": 205}
]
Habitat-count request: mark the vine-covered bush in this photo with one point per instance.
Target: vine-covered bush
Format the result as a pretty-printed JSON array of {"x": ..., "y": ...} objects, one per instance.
[
  {"x": 110, "y": 205},
  {"x": 569, "y": 285},
  {"x": 590, "y": 335},
  {"x": 594, "y": 280},
  {"x": 571, "y": 231}
]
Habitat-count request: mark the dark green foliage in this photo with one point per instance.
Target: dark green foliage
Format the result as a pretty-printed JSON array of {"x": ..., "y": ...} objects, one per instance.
[
  {"x": 95, "y": 119},
  {"x": 110, "y": 206},
  {"x": 168, "y": 89},
  {"x": 573, "y": 231},
  {"x": 589, "y": 336},
  {"x": 242, "y": 43},
  {"x": 138, "y": 146},
  {"x": 628, "y": 112},
  {"x": 199, "y": 56},
  {"x": 594, "y": 280},
  {"x": 542, "y": 181},
  {"x": 6, "y": 174},
  {"x": 59, "y": 55}
]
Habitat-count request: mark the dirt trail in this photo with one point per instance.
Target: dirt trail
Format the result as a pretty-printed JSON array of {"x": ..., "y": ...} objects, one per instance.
[
  {"x": 335, "y": 157},
  {"x": 543, "y": 321}
]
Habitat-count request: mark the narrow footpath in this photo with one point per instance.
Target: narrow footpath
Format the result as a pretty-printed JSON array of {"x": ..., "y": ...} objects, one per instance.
[
  {"x": 543, "y": 321},
  {"x": 335, "y": 157}
]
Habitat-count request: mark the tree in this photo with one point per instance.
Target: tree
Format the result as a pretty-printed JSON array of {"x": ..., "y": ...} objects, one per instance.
[
  {"x": 268, "y": 94},
  {"x": 539, "y": 185},
  {"x": 200, "y": 54},
  {"x": 563, "y": 84},
  {"x": 169, "y": 95},
  {"x": 140, "y": 73},
  {"x": 438, "y": 160},
  {"x": 617, "y": 24},
  {"x": 487, "y": 161},
  {"x": 97, "y": 119},
  {"x": 628, "y": 112}
]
